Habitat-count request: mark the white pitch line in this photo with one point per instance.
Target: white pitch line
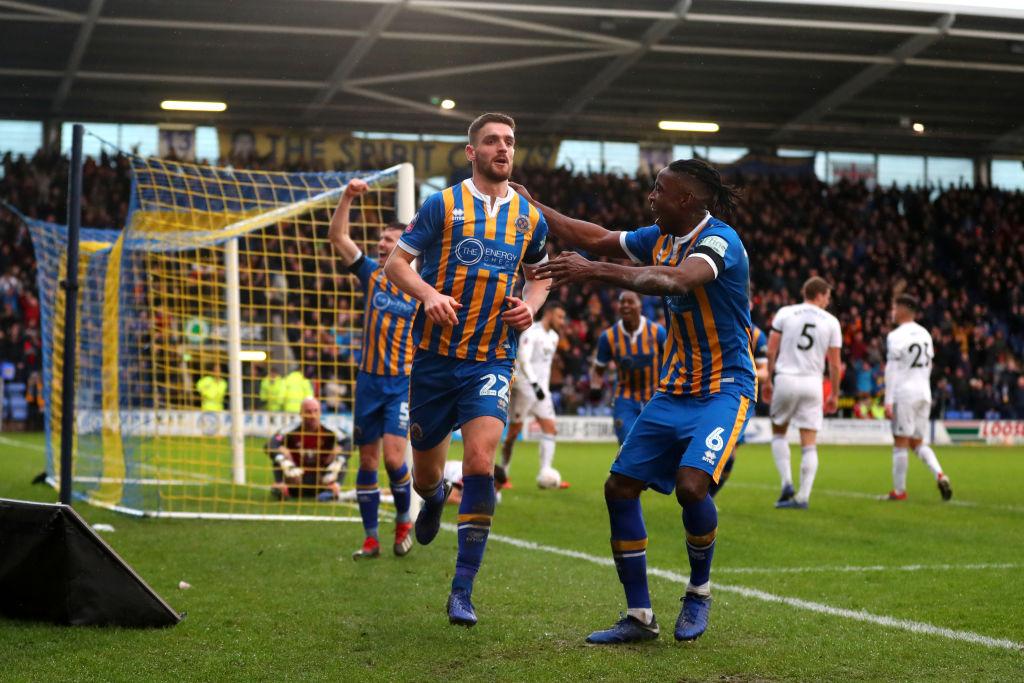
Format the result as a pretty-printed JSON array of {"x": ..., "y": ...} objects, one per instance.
[
  {"x": 875, "y": 568},
  {"x": 22, "y": 444},
  {"x": 856, "y": 615},
  {"x": 870, "y": 496}
]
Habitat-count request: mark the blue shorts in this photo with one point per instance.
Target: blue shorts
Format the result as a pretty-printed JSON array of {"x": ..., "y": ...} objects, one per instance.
[
  {"x": 676, "y": 431},
  {"x": 446, "y": 393},
  {"x": 625, "y": 411},
  {"x": 382, "y": 407}
]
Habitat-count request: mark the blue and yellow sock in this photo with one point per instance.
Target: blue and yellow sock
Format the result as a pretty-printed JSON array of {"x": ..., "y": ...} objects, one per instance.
[
  {"x": 368, "y": 495},
  {"x": 475, "y": 513},
  {"x": 401, "y": 489},
  {"x": 700, "y": 520},
  {"x": 629, "y": 550},
  {"x": 726, "y": 471}
]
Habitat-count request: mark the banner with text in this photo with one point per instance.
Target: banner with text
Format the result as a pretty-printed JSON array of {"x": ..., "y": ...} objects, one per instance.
[{"x": 342, "y": 152}]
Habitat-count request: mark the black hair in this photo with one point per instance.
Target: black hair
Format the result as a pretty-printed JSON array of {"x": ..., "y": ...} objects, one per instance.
[
  {"x": 908, "y": 301},
  {"x": 721, "y": 198}
]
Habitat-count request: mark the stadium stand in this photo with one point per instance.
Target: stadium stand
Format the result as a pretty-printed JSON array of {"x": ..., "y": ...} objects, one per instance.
[{"x": 957, "y": 249}]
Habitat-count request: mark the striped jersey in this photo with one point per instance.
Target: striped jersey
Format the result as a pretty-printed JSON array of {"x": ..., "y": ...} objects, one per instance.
[
  {"x": 638, "y": 357},
  {"x": 387, "y": 326},
  {"x": 758, "y": 345},
  {"x": 471, "y": 251},
  {"x": 709, "y": 333}
]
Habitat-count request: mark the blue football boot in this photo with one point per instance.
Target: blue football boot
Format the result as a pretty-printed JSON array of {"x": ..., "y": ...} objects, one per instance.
[
  {"x": 428, "y": 521},
  {"x": 786, "y": 495},
  {"x": 460, "y": 608},
  {"x": 626, "y": 630},
  {"x": 793, "y": 504},
  {"x": 693, "y": 618}
]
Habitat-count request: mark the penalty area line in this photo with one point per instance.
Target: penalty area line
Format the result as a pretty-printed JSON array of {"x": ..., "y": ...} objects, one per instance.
[{"x": 820, "y": 608}]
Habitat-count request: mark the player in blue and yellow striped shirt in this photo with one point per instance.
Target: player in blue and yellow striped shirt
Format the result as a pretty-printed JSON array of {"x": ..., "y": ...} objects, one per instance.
[
  {"x": 637, "y": 346},
  {"x": 471, "y": 238},
  {"x": 381, "y": 416},
  {"x": 687, "y": 431}
]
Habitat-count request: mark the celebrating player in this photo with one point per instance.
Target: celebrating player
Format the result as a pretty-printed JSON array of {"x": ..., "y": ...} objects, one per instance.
[
  {"x": 688, "y": 429},
  {"x": 308, "y": 458},
  {"x": 908, "y": 396},
  {"x": 531, "y": 394},
  {"x": 637, "y": 345},
  {"x": 471, "y": 238},
  {"x": 382, "y": 386},
  {"x": 802, "y": 337}
]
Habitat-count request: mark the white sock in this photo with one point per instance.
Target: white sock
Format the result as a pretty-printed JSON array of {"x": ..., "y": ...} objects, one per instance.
[
  {"x": 927, "y": 455},
  {"x": 546, "y": 449},
  {"x": 644, "y": 614},
  {"x": 704, "y": 590},
  {"x": 899, "y": 470},
  {"x": 780, "y": 451},
  {"x": 808, "y": 468}
]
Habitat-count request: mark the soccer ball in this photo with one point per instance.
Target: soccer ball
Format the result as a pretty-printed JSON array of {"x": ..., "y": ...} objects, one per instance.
[{"x": 549, "y": 478}]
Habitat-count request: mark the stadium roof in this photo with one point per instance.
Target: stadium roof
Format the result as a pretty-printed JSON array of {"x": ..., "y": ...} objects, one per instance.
[{"x": 851, "y": 74}]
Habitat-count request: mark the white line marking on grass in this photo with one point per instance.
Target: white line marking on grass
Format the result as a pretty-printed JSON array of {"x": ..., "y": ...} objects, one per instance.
[
  {"x": 875, "y": 568},
  {"x": 22, "y": 444},
  {"x": 856, "y": 615},
  {"x": 870, "y": 496}
]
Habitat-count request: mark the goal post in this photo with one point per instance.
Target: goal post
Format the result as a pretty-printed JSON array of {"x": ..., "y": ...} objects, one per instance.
[{"x": 224, "y": 274}]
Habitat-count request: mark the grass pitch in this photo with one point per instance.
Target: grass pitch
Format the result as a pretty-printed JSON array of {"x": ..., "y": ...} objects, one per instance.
[{"x": 852, "y": 589}]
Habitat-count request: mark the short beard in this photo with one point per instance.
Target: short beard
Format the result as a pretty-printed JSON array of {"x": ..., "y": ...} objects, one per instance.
[{"x": 493, "y": 176}]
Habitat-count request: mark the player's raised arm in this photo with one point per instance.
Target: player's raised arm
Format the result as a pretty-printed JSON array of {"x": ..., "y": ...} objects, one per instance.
[
  {"x": 338, "y": 233},
  {"x": 587, "y": 236}
]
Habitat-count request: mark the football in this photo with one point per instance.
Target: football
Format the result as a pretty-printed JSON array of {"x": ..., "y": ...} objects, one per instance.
[{"x": 549, "y": 478}]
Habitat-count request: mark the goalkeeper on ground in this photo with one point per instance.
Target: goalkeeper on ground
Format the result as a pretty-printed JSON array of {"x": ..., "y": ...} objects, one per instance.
[{"x": 308, "y": 457}]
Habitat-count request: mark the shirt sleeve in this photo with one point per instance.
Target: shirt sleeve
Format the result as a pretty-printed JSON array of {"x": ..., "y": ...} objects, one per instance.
[
  {"x": 761, "y": 348},
  {"x": 836, "y": 342},
  {"x": 363, "y": 267},
  {"x": 662, "y": 335},
  {"x": 536, "y": 251},
  {"x": 604, "y": 350},
  {"x": 721, "y": 249},
  {"x": 639, "y": 244},
  {"x": 780, "y": 319},
  {"x": 426, "y": 226}
]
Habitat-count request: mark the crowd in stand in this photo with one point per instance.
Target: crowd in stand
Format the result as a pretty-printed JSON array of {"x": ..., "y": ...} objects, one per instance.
[{"x": 960, "y": 251}]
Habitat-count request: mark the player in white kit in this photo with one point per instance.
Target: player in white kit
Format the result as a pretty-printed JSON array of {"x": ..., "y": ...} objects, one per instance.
[
  {"x": 803, "y": 336},
  {"x": 530, "y": 394},
  {"x": 908, "y": 396}
]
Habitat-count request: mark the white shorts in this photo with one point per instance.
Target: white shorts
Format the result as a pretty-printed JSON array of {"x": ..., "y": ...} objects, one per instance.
[
  {"x": 524, "y": 402},
  {"x": 910, "y": 418},
  {"x": 798, "y": 400}
]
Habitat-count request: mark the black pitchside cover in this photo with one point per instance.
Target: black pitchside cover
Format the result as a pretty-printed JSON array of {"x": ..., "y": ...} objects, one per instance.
[{"x": 54, "y": 567}]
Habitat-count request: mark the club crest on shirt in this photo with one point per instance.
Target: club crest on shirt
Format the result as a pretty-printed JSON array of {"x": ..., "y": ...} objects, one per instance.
[{"x": 522, "y": 224}]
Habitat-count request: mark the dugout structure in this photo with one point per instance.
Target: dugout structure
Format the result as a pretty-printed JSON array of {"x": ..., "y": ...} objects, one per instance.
[{"x": 216, "y": 268}]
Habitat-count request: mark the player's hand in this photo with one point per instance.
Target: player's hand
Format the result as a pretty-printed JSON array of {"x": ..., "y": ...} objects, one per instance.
[
  {"x": 519, "y": 316},
  {"x": 290, "y": 469},
  {"x": 831, "y": 404},
  {"x": 566, "y": 268},
  {"x": 520, "y": 189},
  {"x": 440, "y": 309},
  {"x": 355, "y": 187},
  {"x": 538, "y": 390},
  {"x": 888, "y": 411},
  {"x": 766, "y": 390},
  {"x": 330, "y": 475}
]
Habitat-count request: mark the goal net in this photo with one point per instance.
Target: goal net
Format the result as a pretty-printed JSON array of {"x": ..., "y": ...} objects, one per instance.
[{"x": 222, "y": 278}]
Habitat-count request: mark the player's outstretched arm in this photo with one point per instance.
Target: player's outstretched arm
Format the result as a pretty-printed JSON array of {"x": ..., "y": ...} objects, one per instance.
[
  {"x": 570, "y": 267},
  {"x": 587, "y": 236},
  {"x": 439, "y": 308},
  {"x": 338, "y": 233}
]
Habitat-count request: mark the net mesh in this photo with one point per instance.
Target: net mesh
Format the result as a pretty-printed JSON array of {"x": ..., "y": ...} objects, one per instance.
[{"x": 221, "y": 290}]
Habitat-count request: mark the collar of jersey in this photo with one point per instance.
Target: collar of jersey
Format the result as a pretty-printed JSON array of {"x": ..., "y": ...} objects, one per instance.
[
  {"x": 491, "y": 211},
  {"x": 697, "y": 228},
  {"x": 639, "y": 328}
]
